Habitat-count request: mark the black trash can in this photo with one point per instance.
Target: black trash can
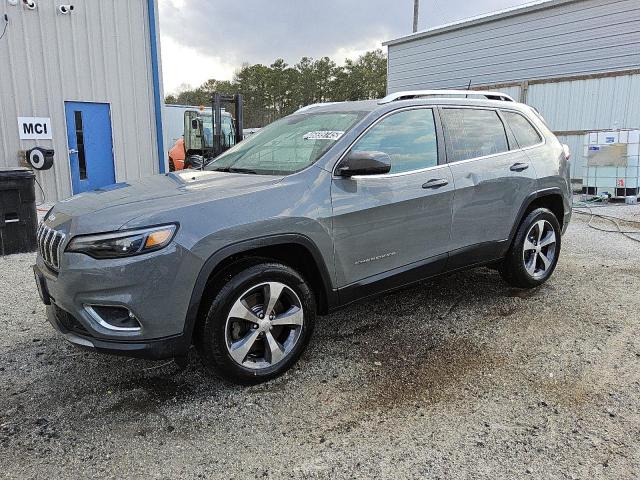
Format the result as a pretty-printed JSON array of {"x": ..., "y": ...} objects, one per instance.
[{"x": 18, "y": 216}]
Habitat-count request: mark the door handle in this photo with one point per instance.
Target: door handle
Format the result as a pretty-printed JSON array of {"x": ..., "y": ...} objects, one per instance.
[
  {"x": 519, "y": 167},
  {"x": 72, "y": 151},
  {"x": 435, "y": 183}
]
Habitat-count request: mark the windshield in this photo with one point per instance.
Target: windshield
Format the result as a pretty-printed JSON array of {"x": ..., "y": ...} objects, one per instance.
[{"x": 287, "y": 145}]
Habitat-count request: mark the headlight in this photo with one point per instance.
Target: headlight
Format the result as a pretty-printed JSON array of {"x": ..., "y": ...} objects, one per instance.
[{"x": 123, "y": 244}]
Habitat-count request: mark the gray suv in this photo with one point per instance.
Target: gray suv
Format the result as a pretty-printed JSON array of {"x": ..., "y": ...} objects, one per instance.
[{"x": 332, "y": 204}]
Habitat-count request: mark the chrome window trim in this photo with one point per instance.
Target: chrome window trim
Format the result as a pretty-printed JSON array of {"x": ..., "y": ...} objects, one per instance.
[
  {"x": 399, "y": 174},
  {"x": 497, "y": 111},
  {"x": 467, "y": 160},
  {"x": 378, "y": 120},
  {"x": 535, "y": 127}
]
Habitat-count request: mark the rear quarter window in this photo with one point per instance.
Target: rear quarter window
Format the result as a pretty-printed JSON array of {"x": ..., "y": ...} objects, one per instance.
[{"x": 526, "y": 135}]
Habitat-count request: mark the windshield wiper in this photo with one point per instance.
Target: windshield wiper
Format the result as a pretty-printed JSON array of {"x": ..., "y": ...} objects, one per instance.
[
  {"x": 240, "y": 170},
  {"x": 235, "y": 170}
]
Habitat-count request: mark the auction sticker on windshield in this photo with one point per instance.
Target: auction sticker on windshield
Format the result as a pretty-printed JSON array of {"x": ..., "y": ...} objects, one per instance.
[{"x": 323, "y": 135}]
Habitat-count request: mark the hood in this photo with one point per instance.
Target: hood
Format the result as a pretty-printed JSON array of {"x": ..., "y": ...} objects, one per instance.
[{"x": 110, "y": 208}]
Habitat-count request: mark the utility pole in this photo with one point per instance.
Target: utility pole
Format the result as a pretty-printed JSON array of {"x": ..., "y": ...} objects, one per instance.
[{"x": 416, "y": 9}]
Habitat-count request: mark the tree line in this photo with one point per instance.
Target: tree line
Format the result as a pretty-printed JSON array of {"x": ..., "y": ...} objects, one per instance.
[{"x": 272, "y": 92}]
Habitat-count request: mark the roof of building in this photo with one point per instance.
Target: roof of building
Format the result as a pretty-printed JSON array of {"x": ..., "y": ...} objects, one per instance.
[{"x": 480, "y": 19}]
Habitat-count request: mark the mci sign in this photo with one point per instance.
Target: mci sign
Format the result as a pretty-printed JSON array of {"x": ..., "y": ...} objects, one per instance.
[{"x": 34, "y": 128}]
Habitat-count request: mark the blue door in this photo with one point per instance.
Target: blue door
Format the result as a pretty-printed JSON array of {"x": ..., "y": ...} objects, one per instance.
[{"x": 90, "y": 145}]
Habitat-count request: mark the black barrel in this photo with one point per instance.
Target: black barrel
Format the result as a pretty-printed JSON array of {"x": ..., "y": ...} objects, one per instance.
[{"x": 18, "y": 216}]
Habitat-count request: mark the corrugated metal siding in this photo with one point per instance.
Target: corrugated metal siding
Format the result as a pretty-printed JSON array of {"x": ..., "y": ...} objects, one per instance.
[
  {"x": 513, "y": 92},
  {"x": 593, "y": 104},
  {"x": 575, "y": 143},
  {"x": 582, "y": 37},
  {"x": 99, "y": 53}
]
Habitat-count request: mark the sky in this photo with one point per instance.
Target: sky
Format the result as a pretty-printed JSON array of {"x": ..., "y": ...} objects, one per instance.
[{"x": 203, "y": 39}]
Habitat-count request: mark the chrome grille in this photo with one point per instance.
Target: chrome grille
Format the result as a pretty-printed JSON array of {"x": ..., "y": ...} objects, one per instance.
[{"x": 49, "y": 242}]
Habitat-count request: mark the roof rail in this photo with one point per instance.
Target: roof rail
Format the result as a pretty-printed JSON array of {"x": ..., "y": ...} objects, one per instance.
[
  {"x": 409, "y": 94},
  {"x": 314, "y": 105}
]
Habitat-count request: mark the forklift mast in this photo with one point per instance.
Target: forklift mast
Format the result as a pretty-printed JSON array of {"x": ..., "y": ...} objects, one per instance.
[{"x": 218, "y": 99}]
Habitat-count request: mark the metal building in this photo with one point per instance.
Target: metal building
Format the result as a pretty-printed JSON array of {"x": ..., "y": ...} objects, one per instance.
[
  {"x": 576, "y": 61},
  {"x": 86, "y": 83}
]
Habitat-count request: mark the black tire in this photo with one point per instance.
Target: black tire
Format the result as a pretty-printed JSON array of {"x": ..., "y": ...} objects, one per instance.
[
  {"x": 514, "y": 267},
  {"x": 212, "y": 336}
]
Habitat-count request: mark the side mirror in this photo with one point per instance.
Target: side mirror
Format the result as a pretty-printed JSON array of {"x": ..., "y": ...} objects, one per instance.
[
  {"x": 195, "y": 124},
  {"x": 364, "y": 163}
]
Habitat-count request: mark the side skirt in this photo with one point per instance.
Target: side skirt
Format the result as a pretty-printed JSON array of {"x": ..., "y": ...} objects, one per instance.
[
  {"x": 479, "y": 254},
  {"x": 461, "y": 259},
  {"x": 392, "y": 279}
]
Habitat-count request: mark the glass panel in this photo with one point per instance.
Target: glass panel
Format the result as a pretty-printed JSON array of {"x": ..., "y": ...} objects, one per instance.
[
  {"x": 526, "y": 135},
  {"x": 473, "y": 133},
  {"x": 207, "y": 130},
  {"x": 228, "y": 134},
  {"x": 192, "y": 136},
  {"x": 287, "y": 145},
  {"x": 408, "y": 137},
  {"x": 82, "y": 161}
]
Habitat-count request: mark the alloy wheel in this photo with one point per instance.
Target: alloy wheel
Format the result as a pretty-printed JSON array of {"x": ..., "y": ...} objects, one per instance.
[
  {"x": 539, "y": 251},
  {"x": 264, "y": 325}
]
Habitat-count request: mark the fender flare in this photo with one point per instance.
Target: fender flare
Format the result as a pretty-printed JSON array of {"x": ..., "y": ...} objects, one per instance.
[
  {"x": 219, "y": 256},
  {"x": 527, "y": 203}
]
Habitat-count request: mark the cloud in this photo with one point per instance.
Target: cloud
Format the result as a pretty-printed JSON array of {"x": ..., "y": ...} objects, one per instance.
[
  {"x": 204, "y": 39},
  {"x": 186, "y": 65}
]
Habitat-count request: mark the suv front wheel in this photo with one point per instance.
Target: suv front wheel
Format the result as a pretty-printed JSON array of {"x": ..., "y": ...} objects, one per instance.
[
  {"x": 259, "y": 323},
  {"x": 534, "y": 253}
]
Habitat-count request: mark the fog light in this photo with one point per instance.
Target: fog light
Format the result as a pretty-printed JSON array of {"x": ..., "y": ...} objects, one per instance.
[{"x": 114, "y": 318}]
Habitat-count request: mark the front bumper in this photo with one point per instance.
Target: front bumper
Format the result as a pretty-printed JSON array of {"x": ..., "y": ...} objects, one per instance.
[
  {"x": 72, "y": 330},
  {"x": 156, "y": 287}
]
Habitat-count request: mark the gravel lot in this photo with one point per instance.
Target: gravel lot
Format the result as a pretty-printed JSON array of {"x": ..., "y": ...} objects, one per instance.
[{"x": 461, "y": 377}]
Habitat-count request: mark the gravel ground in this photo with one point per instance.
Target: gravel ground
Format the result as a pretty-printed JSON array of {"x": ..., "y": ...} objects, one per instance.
[{"x": 461, "y": 377}]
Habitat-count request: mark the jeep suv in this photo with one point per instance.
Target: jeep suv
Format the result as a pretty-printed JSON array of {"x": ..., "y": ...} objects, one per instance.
[{"x": 332, "y": 204}]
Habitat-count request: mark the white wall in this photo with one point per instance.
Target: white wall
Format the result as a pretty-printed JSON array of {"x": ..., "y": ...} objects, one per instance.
[{"x": 99, "y": 53}]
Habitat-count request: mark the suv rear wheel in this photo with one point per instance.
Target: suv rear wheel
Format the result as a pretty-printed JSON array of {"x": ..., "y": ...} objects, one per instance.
[
  {"x": 259, "y": 323},
  {"x": 533, "y": 256}
]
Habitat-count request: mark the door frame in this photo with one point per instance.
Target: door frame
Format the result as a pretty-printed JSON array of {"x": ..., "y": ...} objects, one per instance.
[
  {"x": 507, "y": 131},
  {"x": 442, "y": 156},
  {"x": 491, "y": 250},
  {"x": 66, "y": 139},
  {"x": 413, "y": 271}
]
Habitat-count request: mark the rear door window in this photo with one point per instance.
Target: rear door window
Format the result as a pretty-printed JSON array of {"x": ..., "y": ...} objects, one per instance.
[
  {"x": 472, "y": 133},
  {"x": 525, "y": 133}
]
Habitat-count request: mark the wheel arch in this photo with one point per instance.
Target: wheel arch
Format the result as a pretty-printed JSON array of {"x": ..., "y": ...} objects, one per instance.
[
  {"x": 551, "y": 199},
  {"x": 295, "y": 250}
]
